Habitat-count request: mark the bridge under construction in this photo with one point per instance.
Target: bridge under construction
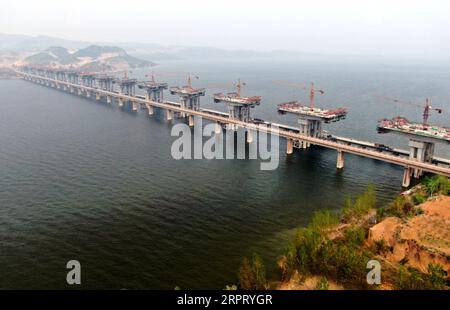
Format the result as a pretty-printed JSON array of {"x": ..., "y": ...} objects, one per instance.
[{"x": 101, "y": 86}]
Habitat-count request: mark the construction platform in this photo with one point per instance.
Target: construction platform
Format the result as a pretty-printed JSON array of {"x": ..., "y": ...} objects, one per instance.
[
  {"x": 325, "y": 115},
  {"x": 402, "y": 126}
]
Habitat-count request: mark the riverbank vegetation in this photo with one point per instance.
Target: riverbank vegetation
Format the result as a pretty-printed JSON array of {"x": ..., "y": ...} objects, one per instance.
[{"x": 336, "y": 247}]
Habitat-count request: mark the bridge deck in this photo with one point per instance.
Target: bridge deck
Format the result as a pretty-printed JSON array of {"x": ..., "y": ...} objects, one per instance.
[{"x": 284, "y": 133}]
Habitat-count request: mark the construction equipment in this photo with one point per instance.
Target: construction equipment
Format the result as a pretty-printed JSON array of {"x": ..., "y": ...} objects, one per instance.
[
  {"x": 238, "y": 106},
  {"x": 427, "y": 108},
  {"x": 312, "y": 90},
  {"x": 189, "y": 96}
]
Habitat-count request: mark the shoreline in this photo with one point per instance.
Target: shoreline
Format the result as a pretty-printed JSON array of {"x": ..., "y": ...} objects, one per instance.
[{"x": 410, "y": 238}]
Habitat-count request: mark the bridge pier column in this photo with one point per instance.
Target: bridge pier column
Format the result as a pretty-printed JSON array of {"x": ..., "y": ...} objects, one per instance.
[
  {"x": 249, "y": 136},
  {"x": 305, "y": 130},
  {"x": 88, "y": 94},
  {"x": 191, "y": 120},
  {"x": 120, "y": 102},
  {"x": 217, "y": 128},
  {"x": 407, "y": 176},
  {"x": 97, "y": 96},
  {"x": 420, "y": 151},
  {"x": 150, "y": 109},
  {"x": 79, "y": 91},
  {"x": 289, "y": 146},
  {"x": 108, "y": 99},
  {"x": 340, "y": 159},
  {"x": 169, "y": 115},
  {"x": 134, "y": 106}
]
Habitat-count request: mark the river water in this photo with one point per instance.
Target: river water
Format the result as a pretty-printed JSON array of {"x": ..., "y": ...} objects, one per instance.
[{"x": 88, "y": 181}]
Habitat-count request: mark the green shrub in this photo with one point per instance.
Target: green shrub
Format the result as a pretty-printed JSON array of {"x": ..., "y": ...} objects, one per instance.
[
  {"x": 323, "y": 220},
  {"x": 380, "y": 247},
  {"x": 230, "y": 288},
  {"x": 437, "y": 276},
  {"x": 418, "y": 199},
  {"x": 259, "y": 271},
  {"x": 343, "y": 262},
  {"x": 413, "y": 279},
  {"x": 307, "y": 244},
  {"x": 419, "y": 211},
  {"x": 381, "y": 214},
  {"x": 355, "y": 235},
  {"x": 400, "y": 207},
  {"x": 409, "y": 279},
  {"x": 252, "y": 274},
  {"x": 322, "y": 284},
  {"x": 361, "y": 205},
  {"x": 246, "y": 277},
  {"x": 437, "y": 185}
]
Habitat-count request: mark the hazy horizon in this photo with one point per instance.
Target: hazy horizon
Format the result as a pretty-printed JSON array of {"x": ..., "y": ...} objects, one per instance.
[{"x": 383, "y": 28}]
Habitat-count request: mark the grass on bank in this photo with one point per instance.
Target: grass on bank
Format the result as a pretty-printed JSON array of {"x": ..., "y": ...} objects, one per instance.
[{"x": 344, "y": 259}]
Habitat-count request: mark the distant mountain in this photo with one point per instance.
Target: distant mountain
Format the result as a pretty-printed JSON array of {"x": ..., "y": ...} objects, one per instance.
[
  {"x": 151, "y": 52},
  {"x": 93, "y": 57},
  {"x": 23, "y": 43},
  {"x": 10, "y": 45}
]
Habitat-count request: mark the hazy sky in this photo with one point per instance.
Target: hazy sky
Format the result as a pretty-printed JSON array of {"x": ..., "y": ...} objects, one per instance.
[{"x": 386, "y": 27}]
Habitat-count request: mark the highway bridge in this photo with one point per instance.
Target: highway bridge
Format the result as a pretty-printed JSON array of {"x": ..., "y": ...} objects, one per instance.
[{"x": 291, "y": 134}]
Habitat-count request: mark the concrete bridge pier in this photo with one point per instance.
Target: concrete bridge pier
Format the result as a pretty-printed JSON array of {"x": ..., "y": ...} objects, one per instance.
[
  {"x": 88, "y": 94},
  {"x": 249, "y": 136},
  {"x": 134, "y": 106},
  {"x": 108, "y": 99},
  {"x": 97, "y": 96},
  {"x": 79, "y": 91},
  {"x": 169, "y": 115},
  {"x": 407, "y": 174},
  {"x": 191, "y": 120},
  {"x": 120, "y": 102},
  {"x": 150, "y": 109},
  {"x": 340, "y": 159},
  {"x": 289, "y": 146},
  {"x": 304, "y": 130},
  {"x": 218, "y": 128},
  {"x": 421, "y": 151}
]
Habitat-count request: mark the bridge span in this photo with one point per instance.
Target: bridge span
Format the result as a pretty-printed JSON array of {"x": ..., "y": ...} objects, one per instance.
[{"x": 284, "y": 131}]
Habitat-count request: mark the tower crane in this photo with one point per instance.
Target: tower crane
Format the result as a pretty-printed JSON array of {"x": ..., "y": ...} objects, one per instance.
[
  {"x": 427, "y": 108},
  {"x": 312, "y": 90}
]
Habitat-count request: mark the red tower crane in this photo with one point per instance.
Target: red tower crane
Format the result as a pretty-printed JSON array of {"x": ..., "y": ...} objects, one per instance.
[
  {"x": 312, "y": 90},
  {"x": 427, "y": 108}
]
